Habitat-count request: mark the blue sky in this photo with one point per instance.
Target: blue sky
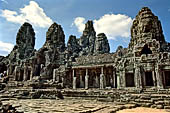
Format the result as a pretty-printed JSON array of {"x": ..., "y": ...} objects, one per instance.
[{"x": 113, "y": 17}]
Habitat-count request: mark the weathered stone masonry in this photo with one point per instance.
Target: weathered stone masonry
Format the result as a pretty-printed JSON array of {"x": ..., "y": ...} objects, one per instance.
[{"x": 85, "y": 62}]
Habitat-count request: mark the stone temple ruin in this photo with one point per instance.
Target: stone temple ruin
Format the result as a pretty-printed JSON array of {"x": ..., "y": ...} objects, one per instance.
[{"x": 86, "y": 62}]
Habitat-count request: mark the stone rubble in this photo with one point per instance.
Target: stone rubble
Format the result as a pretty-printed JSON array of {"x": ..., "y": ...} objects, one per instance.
[{"x": 7, "y": 108}]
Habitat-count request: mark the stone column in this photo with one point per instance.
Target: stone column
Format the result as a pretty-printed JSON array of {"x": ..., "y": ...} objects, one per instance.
[
  {"x": 97, "y": 82},
  {"x": 41, "y": 69},
  {"x": 62, "y": 79},
  {"x": 54, "y": 75},
  {"x": 25, "y": 73},
  {"x": 144, "y": 78},
  {"x": 123, "y": 79},
  {"x": 7, "y": 70},
  {"x": 163, "y": 79},
  {"x": 137, "y": 81},
  {"x": 118, "y": 81},
  {"x": 81, "y": 79},
  {"x": 159, "y": 77},
  {"x": 86, "y": 80},
  {"x": 15, "y": 76},
  {"x": 31, "y": 74},
  {"x": 154, "y": 79},
  {"x": 57, "y": 79},
  {"x": 138, "y": 77},
  {"x": 114, "y": 79},
  {"x": 102, "y": 79},
  {"x": 74, "y": 80}
]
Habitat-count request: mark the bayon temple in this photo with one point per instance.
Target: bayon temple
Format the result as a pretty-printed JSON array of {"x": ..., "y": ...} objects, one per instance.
[{"x": 86, "y": 62}]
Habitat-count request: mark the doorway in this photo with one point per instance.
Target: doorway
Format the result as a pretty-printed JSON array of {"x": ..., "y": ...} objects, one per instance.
[
  {"x": 130, "y": 80},
  {"x": 167, "y": 78},
  {"x": 149, "y": 78}
]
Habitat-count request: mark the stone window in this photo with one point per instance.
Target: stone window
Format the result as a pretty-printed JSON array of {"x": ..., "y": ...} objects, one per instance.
[
  {"x": 130, "y": 80},
  {"x": 146, "y": 50}
]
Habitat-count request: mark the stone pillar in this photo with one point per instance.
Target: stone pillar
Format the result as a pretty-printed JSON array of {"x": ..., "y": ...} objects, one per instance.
[
  {"x": 118, "y": 81},
  {"x": 163, "y": 79},
  {"x": 86, "y": 80},
  {"x": 15, "y": 74},
  {"x": 25, "y": 73},
  {"x": 154, "y": 78},
  {"x": 97, "y": 82},
  {"x": 54, "y": 75},
  {"x": 138, "y": 77},
  {"x": 137, "y": 81},
  {"x": 62, "y": 79},
  {"x": 41, "y": 66},
  {"x": 81, "y": 79},
  {"x": 102, "y": 81},
  {"x": 31, "y": 74},
  {"x": 159, "y": 77},
  {"x": 41, "y": 69},
  {"x": 144, "y": 78},
  {"x": 7, "y": 70},
  {"x": 114, "y": 79},
  {"x": 122, "y": 79},
  {"x": 10, "y": 69},
  {"x": 57, "y": 79},
  {"x": 74, "y": 80}
]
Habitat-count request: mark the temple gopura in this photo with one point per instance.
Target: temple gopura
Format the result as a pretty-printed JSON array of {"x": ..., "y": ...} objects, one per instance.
[{"x": 86, "y": 62}]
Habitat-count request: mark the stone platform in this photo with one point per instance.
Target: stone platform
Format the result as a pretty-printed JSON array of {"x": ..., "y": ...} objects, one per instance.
[
  {"x": 66, "y": 106},
  {"x": 151, "y": 98}
]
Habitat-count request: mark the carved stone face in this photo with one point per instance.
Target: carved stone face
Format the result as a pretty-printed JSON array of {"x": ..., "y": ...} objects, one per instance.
[
  {"x": 146, "y": 19},
  {"x": 146, "y": 25}
]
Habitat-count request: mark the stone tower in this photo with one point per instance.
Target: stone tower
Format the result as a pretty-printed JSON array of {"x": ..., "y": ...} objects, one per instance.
[
  {"x": 87, "y": 40},
  {"x": 73, "y": 47},
  {"x": 90, "y": 44},
  {"x": 101, "y": 44},
  {"x": 51, "y": 55},
  {"x": 25, "y": 42},
  {"x": 146, "y": 32},
  {"x": 55, "y": 37}
]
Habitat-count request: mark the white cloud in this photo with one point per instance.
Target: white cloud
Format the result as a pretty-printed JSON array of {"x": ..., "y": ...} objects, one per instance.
[
  {"x": 169, "y": 10},
  {"x": 5, "y": 48},
  {"x": 111, "y": 24},
  {"x": 31, "y": 13},
  {"x": 4, "y": 1},
  {"x": 79, "y": 22}
]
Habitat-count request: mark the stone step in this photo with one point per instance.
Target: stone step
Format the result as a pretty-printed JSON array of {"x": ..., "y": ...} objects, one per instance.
[
  {"x": 159, "y": 106},
  {"x": 159, "y": 102},
  {"x": 166, "y": 102},
  {"x": 145, "y": 97},
  {"x": 157, "y": 99},
  {"x": 143, "y": 101},
  {"x": 160, "y": 95},
  {"x": 166, "y": 107},
  {"x": 145, "y": 104}
]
